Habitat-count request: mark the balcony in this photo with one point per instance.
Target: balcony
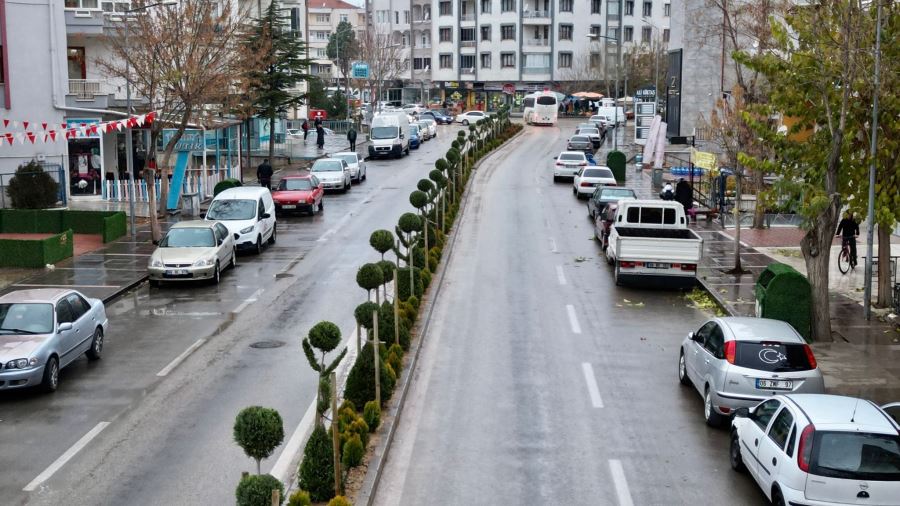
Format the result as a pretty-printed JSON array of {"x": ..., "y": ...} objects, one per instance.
[
  {"x": 536, "y": 70},
  {"x": 537, "y": 43},
  {"x": 467, "y": 17},
  {"x": 88, "y": 93},
  {"x": 467, "y": 44},
  {"x": 535, "y": 17}
]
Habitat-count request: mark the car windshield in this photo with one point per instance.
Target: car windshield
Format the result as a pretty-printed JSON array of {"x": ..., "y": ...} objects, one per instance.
[
  {"x": 572, "y": 157},
  {"x": 188, "y": 238},
  {"x": 605, "y": 173},
  {"x": 428, "y": 121},
  {"x": 856, "y": 456},
  {"x": 414, "y": 129},
  {"x": 617, "y": 194},
  {"x": 295, "y": 184},
  {"x": 327, "y": 166},
  {"x": 771, "y": 356},
  {"x": 579, "y": 138},
  {"x": 231, "y": 209},
  {"x": 384, "y": 132},
  {"x": 26, "y": 318},
  {"x": 546, "y": 100},
  {"x": 349, "y": 158}
]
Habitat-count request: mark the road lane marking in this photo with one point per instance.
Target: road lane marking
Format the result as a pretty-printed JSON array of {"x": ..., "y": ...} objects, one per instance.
[
  {"x": 552, "y": 245},
  {"x": 249, "y": 300},
  {"x": 591, "y": 380},
  {"x": 331, "y": 231},
  {"x": 573, "y": 319},
  {"x": 65, "y": 457},
  {"x": 618, "y": 476},
  {"x": 180, "y": 358},
  {"x": 560, "y": 275}
]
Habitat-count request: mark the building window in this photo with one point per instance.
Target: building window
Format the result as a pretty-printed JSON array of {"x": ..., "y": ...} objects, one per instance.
[
  {"x": 565, "y": 32},
  {"x": 485, "y": 60},
  {"x": 426, "y": 40},
  {"x": 595, "y": 6},
  {"x": 565, "y": 60},
  {"x": 345, "y": 18},
  {"x": 646, "y": 34},
  {"x": 446, "y": 61},
  {"x": 320, "y": 36},
  {"x": 112, "y": 6},
  {"x": 565, "y": 5},
  {"x": 486, "y": 32},
  {"x": 445, "y": 35},
  {"x": 406, "y": 17},
  {"x": 445, "y": 9},
  {"x": 82, "y": 4},
  {"x": 629, "y": 8},
  {"x": 383, "y": 16},
  {"x": 507, "y": 5},
  {"x": 507, "y": 32},
  {"x": 323, "y": 18},
  {"x": 404, "y": 39},
  {"x": 667, "y": 10},
  {"x": 76, "y": 62},
  {"x": 486, "y": 6},
  {"x": 467, "y": 63},
  {"x": 295, "y": 22},
  {"x": 595, "y": 30},
  {"x": 666, "y": 35},
  {"x": 467, "y": 35},
  {"x": 421, "y": 63},
  {"x": 628, "y": 34},
  {"x": 612, "y": 34},
  {"x": 648, "y": 9},
  {"x": 396, "y": 17},
  {"x": 507, "y": 60},
  {"x": 596, "y": 60}
]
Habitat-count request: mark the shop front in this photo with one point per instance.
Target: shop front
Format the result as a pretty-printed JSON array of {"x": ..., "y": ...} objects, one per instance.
[{"x": 85, "y": 153}]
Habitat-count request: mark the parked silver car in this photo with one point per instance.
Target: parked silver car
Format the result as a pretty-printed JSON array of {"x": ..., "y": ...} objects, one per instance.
[
  {"x": 44, "y": 330},
  {"x": 737, "y": 362},
  {"x": 193, "y": 250}
]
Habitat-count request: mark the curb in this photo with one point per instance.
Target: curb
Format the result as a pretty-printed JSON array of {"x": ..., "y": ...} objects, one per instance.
[
  {"x": 369, "y": 488},
  {"x": 125, "y": 288},
  {"x": 723, "y": 305}
]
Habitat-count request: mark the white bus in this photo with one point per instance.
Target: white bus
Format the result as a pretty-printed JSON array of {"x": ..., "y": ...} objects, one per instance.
[{"x": 540, "y": 108}]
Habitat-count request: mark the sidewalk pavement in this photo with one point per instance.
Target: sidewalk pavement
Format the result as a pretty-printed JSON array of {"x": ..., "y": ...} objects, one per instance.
[{"x": 863, "y": 357}]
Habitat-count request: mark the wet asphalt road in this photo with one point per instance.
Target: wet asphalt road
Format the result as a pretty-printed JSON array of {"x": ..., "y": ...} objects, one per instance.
[
  {"x": 541, "y": 382},
  {"x": 169, "y": 438}
]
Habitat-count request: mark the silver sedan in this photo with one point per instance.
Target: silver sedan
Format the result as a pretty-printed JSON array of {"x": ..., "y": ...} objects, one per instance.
[
  {"x": 737, "y": 362},
  {"x": 44, "y": 330}
]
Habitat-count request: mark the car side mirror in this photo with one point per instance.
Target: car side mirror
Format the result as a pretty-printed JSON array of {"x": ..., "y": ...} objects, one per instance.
[
  {"x": 555, "y": 157},
  {"x": 203, "y": 215},
  {"x": 236, "y": 236},
  {"x": 64, "y": 326},
  {"x": 692, "y": 336},
  {"x": 265, "y": 216},
  {"x": 401, "y": 136},
  {"x": 220, "y": 242},
  {"x": 742, "y": 413}
]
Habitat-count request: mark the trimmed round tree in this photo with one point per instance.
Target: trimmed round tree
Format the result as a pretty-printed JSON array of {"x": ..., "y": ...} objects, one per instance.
[
  {"x": 425, "y": 185},
  {"x": 32, "y": 188},
  {"x": 418, "y": 199},
  {"x": 363, "y": 315},
  {"x": 324, "y": 336},
  {"x": 256, "y": 490},
  {"x": 382, "y": 240},
  {"x": 442, "y": 165},
  {"x": 317, "y": 467},
  {"x": 437, "y": 177},
  {"x": 369, "y": 277},
  {"x": 258, "y": 431}
]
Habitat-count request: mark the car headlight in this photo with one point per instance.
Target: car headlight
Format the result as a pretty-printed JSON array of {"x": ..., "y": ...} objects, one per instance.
[
  {"x": 396, "y": 142},
  {"x": 156, "y": 262},
  {"x": 204, "y": 261},
  {"x": 20, "y": 363},
  {"x": 247, "y": 230}
]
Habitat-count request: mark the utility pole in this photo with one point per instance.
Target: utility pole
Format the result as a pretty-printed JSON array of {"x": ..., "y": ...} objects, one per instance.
[{"x": 873, "y": 148}]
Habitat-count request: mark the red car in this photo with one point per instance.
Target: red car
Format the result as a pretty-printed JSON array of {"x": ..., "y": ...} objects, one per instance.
[{"x": 299, "y": 193}]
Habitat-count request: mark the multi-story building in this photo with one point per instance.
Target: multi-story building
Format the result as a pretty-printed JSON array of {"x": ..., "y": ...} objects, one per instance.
[{"x": 323, "y": 17}]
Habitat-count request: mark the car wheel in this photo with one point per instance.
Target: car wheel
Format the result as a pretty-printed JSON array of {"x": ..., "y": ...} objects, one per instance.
[
  {"x": 274, "y": 236},
  {"x": 96, "y": 345},
  {"x": 682, "y": 370},
  {"x": 50, "y": 381},
  {"x": 321, "y": 205},
  {"x": 364, "y": 176},
  {"x": 258, "y": 248},
  {"x": 777, "y": 498},
  {"x": 233, "y": 258},
  {"x": 734, "y": 454},
  {"x": 616, "y": 277},
  {"x": 465, "y": 122},
  {"x": 713, "y": 419},
  {"x": 217, "y": 275},
  {"x": 574, "y": 191}
]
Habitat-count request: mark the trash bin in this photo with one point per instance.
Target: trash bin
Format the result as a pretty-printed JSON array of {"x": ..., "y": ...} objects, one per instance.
[
  {"x": 784, "y": 294},
  {"x": 657, "y": 178},
  {"x": 190, "y": 204}
]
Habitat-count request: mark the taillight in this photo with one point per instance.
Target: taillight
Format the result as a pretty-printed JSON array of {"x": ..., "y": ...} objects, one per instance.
[
  {"x": 689, "y": 267},
  {"x": 626, "y": 265},
  {"x": 730, "y": 347},
  {"x": 809, "y": 356},
  {"x": 804, "y": 450},
  {"x": 585, "y": 184}
]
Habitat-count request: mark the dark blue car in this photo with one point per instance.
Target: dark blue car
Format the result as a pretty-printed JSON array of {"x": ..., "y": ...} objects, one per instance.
[
  {"x": 440, "y": 117},
  {"x": 414, "y": 140}
]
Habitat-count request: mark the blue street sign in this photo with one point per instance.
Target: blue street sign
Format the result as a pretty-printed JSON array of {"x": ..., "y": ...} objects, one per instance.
[{"x": 360, "y": 70}]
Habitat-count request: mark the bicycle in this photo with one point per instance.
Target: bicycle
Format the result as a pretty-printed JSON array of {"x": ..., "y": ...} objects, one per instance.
[{"x": 845, "y": 262}]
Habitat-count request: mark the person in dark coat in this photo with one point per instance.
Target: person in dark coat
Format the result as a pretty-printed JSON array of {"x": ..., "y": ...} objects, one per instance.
[
  {"x": 320, "y": 137},
  {"x": 264, "y": 174},
  {"x": 351, "y": 136},
  {"x": 305, "y": 128},
  {"x": 684, "y": 195},
  {"x": 318, "y": 122}
]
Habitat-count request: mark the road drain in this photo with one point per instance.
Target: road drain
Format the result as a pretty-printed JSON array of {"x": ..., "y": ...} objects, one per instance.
[{"x": 267, "y": 344}]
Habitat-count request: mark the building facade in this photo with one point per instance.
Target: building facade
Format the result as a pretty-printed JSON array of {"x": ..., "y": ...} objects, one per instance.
[{"x": 323, "y": 17}]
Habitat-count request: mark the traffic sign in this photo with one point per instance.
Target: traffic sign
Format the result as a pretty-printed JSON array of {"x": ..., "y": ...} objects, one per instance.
[{"x": 360, "y": 70}]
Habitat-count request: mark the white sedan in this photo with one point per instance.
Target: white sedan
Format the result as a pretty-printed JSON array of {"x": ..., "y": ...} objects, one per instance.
[
  {"x": 589, "y": 179},
  {"x": 469, "y": 117},
  {"x": 432, "y": 126},
  {"x": 356, "y": 164},
  {"x": 193, "y": 250}
]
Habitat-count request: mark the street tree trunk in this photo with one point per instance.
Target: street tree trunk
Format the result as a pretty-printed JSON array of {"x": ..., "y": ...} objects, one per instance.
[
  {"x": 759, "y": 213},
  {"x": 884, "y": 267},
  {"x": 271, "y": 138},
  {"x": 816, "y": 248}
]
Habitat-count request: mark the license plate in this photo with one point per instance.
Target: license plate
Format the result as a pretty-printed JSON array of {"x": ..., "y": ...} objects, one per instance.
[
  {"x": 176, "y": 272},
  {"x": 769, "y": 384},
  {"x": 655, "y": 265},
  {"x": 289, "y": 206}
]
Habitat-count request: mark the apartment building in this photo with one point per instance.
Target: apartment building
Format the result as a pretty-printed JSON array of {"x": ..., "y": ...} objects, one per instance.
[
  {"x": 323, "y": 17},
  {"x": 487, "y": 52}
]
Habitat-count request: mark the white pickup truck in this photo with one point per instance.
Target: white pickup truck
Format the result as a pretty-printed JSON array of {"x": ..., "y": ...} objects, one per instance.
[{"x": 650, "y": 240}]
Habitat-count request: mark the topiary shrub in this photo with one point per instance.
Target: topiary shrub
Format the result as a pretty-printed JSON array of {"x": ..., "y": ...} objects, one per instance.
[
  {"x": 372, "y": 415},
  {"x": 426, "y": 278},
  {"x": 386, "y": 325},
  {"x": 317, "y": 467},
  {"x": 226, "y": 184},
  {"x": 299, "y": 498},
  {"x": 395, "y": 358},
  {"x": 353, "y": 452},
  {"x": 325, "y": 336},
  {"x": 369, "y": 277},
  {"x": 418, "y": 199},
  {"x": 414, "y": 302},
  {"x": 616, "y": 161},
  {"x": 256, "y": 490},
  {"x": 258, "y": 431},
  {"x": 32, "y": 188},
  {"x": 360, "y": 387},
  {"x": 382, "y": 240},
  {"x": 403, "y": 282},
  {"x": 340, "y": 501},
  {"x": 363, "y": 315}
]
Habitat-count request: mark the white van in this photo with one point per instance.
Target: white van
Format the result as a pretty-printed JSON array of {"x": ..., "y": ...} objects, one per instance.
[
  {"x": 610, "y": 114},
  {"x": 249, "y": 214},
  {"x": 389, "y": 135}
]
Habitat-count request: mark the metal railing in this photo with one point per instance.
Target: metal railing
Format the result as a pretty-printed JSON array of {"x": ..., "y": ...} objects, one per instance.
[
  {"x": 467, "y": 17},
  {"x": 536, "y": 70},
  {"x": 84, "y": 89},
  {"x": 537, "y": 42},
  {"x": 535, "y": 14},
  {"x": 467, "y": 43},
  {"x": 195, "y": 181}
]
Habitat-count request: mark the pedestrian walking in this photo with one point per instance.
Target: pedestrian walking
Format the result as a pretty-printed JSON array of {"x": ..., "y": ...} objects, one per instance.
[
  {"x": 684, "y": 195},
  {"x": 320, "y": 137},
  {"x": 305, "y": 128},
  {"x": 264, "y": 174},
  {"x": 848, "y": 229},
  {"x": 351, "y": 136}
]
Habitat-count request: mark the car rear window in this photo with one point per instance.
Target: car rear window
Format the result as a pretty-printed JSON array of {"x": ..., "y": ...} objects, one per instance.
[
  {"x": 572, "y": 157},
  {"x": 579, "y": 138},
  {"x": 546, "y": 100},
  {"x": 856, "y": 456},
  {"x": 771, "y": 356},
  {"x": 598, "y": 173}
]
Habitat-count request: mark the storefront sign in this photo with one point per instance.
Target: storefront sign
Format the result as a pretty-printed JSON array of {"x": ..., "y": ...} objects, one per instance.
[
  {"x": 191, "y": 139},
  {"x": 451, "y": 84},
  {"x": 703, "y": 159},
  {"x": 509, "y": 88},
  {"x": 77, "y": 123},
  {"x": 644, "y": 112},
  {"x": 360, "y": 70}
]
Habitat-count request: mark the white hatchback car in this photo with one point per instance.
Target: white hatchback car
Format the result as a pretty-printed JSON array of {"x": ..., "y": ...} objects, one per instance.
[
  {"x": 590, "y": 178},
  {"x": 818, "y": 450},
  {"x": 356, "y": 164},
  {"x": 568, "y": 164}
]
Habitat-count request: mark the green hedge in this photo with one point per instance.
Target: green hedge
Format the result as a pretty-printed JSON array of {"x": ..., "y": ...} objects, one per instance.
[
  {"x": 31, "y": 221},
  {"x": 110, "y": 224},
  {"x": 114, "y": 226},
  {"x": 36, "y": 252}
]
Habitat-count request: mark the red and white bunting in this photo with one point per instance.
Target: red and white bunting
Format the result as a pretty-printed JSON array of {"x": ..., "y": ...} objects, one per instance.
[{"x": 49, "y": 132}]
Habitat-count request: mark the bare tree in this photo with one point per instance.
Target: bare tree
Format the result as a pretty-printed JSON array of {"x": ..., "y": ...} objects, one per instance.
[
  {"x": 585, "y": 74},
  {"x": 385, "y": 57},
  {"x": 181, "y": 58}
]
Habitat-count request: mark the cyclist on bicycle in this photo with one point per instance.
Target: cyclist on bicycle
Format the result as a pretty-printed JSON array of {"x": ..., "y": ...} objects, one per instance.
[{"x": 848, "y": 229}]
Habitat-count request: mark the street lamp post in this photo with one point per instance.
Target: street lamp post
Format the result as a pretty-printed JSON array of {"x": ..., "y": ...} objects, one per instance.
[
  {"x": 595, "y": 36},
  {"x": 129, "y": 150},
  {"x": 870, "y": 211}
]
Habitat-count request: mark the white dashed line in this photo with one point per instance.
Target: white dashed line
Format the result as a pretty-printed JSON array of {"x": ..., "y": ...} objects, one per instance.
[
  {"x": 552, "y": 245},
  {"x": 65, "y": 457},
  {"x": 591, "y": 380},
  {"x": 573, "y": 319},
  {"x": 180, "y": 358},
  {"x": 560, "y": 275},
  {"x": 618, "y": 476},
  {"x": 249, "y": 300}
]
